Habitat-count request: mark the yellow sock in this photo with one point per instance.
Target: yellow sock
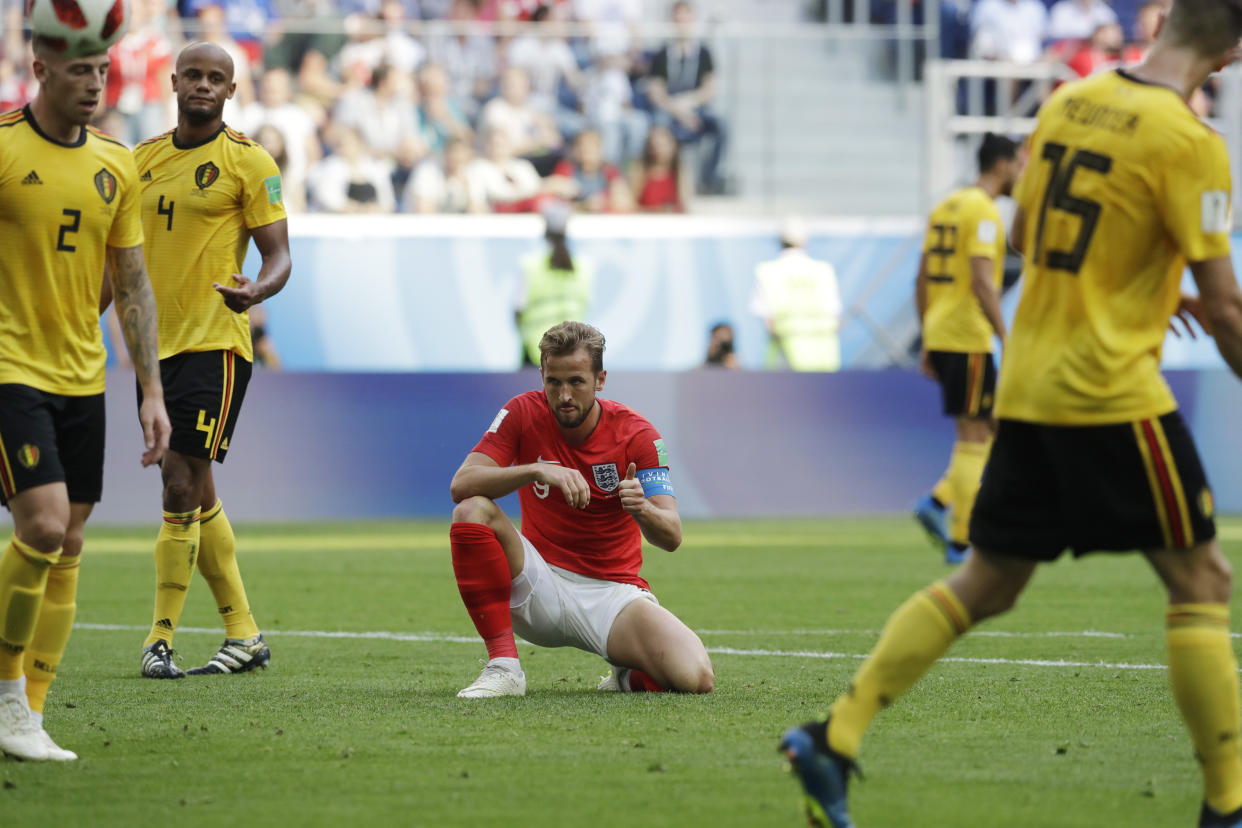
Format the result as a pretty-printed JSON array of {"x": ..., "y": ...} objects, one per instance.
[
  {"x": 51, "y": 635},
  {"x": 218, "y": 563},
  {"x": 176, "y": 548},
  {"x": 965, "y": 472},
  {"x": 23, "y": 577},
  {"x": 1204, "y": 675},
  {"x": 917, "y": 634}
]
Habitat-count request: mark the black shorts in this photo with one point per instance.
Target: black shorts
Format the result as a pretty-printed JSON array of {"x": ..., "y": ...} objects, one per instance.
[
  {"x": 967, "y": 382},
  {"x": 51, "y": 438},
  {"x": 1132, "y": 486},
  {"x": 203, "y": 392}
]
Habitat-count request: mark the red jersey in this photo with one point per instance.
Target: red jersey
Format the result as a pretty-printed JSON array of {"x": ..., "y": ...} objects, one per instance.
[{"x": 601, "y": 541}]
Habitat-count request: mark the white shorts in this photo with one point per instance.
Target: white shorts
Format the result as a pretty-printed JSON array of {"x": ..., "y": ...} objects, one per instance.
[{"x": 553, "y": 607}]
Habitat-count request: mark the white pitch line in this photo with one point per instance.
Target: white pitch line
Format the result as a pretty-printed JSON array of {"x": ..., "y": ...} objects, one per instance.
[
  {"x": 972, "y": 633},
  {"x": 463, "y": 639}
]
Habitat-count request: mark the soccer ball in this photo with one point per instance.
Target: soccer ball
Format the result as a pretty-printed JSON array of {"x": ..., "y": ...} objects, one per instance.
[{"x": 76, "y": 28}]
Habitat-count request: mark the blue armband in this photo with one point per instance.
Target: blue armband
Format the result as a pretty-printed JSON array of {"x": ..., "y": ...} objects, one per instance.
[{"x": 655, "y": 482}]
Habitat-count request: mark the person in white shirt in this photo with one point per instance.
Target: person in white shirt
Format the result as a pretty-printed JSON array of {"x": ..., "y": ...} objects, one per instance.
[
  {"x": 350, "y": 180},
  {"x": 1078, "y": 19},
  {"x": 499, "y": 181},
  {"x": 1008, "y": 30}
]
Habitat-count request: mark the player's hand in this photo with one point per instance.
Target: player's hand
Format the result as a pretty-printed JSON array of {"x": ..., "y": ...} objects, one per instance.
[
  {"x": 155, "y": 429},
  {"x": 633, "y": 500},
  {"x": 570, "y": 481},
  {"x": 239, "y": 298},
  {"x": 925, "y": 365},
  {"x": 1189, "y": 307}
]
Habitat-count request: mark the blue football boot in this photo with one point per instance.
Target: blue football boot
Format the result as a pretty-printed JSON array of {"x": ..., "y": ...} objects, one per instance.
[
  {"x": 823, "y": 773},
  {"x": 930, "y": 516}
]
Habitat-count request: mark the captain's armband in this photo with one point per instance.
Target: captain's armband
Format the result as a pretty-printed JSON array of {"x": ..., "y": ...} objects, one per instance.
[{"x": 655, "y": 482}]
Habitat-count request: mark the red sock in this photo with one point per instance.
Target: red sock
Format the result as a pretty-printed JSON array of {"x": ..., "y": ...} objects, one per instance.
[
  {"x": 640, "y": 682},
  {"x": 484, "y": 582}
]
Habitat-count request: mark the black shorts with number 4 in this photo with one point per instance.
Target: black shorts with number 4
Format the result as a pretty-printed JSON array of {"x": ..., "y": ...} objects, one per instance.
[
  {"x": 203, "y": 393},
  {"x": 50, "y": 438},
  {"x": 1125, "y": 487},
  {"x": 967, "y": 382}
]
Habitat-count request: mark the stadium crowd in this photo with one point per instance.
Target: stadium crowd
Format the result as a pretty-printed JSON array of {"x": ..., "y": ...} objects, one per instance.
[{"x": 364, "y": 116}]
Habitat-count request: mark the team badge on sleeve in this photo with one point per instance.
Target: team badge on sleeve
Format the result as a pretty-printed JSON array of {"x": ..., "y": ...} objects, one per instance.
[{"x": 606, "y": 476}]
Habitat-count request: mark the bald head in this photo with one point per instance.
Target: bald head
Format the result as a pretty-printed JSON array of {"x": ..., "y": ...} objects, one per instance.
[
  {"x": 203, "y": 52},
  {"x": 203, "y": 82}
]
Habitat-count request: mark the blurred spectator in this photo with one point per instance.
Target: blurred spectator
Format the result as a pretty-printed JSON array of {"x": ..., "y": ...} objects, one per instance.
[
  {"x": 1078, "y": 19},
  {"x": 211, "y": 22},
  {"x": 253, "y": 24},
  {"x": 1008, "y": 30},
  {"x": 293, "y": 185},
  {"x": 17, "y": 87},
  {"x": 658, "y": 181},
  {"x": 554, "y": 288},
  {"x": 265, "y": 352},
  {"x": 549, "y": 63},
  {"x": 351, "y": 180},
  {"x": 1100, "y": 53},
  {"x": 137, "y": 85},
  {"x": 587, "y": 182},
  {"x": 681, "y": 88},
  {"x": 440, "y": 115},
  {"x": 1146, "y": 20},
  {"x": 469, "y": 58},
  {"x": 532, "y": 134},
  {"x": 395, "y": 48},
  {"x": 720, "y": 350},
  {"x": 299, "y": 137},
  {"x": 411, "y": 9},
  {"x": 614, "y": 24},
  {"x": 383, "y": 114},
  {"x": 500, "y": 181},
  {"x": 291, "y": 49},
  {"x": 799, "y": 302},
  {"x": 442, "y": 185},
  {"x": 609, "y": 100}
]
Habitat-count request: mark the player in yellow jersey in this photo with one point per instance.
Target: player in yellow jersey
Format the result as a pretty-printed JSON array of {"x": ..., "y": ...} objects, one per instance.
[
  {"x": 957, "y": 293},
  {"x": 206, "y": 192},
  {"x": 68, "y": 218},
  {"x": 1122, "y": 188}
]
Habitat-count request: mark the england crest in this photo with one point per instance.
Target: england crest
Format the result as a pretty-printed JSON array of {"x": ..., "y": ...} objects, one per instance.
[{"x": 606, "y": 476}]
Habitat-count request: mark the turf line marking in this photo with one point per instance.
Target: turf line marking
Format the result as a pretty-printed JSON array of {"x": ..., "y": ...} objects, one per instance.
[
  {"x": 972, "y": 633},
  {"x": 470, "y": 639}
]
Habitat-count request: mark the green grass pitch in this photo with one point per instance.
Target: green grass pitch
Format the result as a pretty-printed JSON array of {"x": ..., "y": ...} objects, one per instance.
[{"x": 1055, "y": 715}]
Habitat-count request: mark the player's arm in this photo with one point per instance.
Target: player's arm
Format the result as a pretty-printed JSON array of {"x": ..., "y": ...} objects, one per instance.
[
  {"x": 656, "y": 514},
  {"x": 1220, "y": 307},
  {"x": 126, "y": 271},
  {"x": 272, "y": 240},
  {"x": 981, "y": 282},
  {"x": 481, "y": 476},
  {"x": 1017, "y": 233}
]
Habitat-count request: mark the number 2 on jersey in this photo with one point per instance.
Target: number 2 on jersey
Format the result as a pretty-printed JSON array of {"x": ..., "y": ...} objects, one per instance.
[
  {"x": 1057, "y": 197},
  {"x": 71, "y": 226}
]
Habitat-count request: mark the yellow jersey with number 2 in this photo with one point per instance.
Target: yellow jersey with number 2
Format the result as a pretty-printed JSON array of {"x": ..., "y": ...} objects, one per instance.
[
  {"x": 966, "y": 225},
  {"x": 1123, "y": 186}
]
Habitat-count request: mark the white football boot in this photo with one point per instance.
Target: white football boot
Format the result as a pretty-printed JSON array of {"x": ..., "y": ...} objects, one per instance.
[
  {"x": 497, "y": 679},
  {"x": 20, "y": 734},
  {"x": 56, "y": 753}
]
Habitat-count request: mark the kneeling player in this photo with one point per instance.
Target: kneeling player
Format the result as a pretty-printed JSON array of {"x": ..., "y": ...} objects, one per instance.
[{"x": 592, "y": 478}]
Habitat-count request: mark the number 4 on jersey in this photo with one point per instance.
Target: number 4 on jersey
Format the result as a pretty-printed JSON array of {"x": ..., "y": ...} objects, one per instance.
[{"x": 166, "y": 211}]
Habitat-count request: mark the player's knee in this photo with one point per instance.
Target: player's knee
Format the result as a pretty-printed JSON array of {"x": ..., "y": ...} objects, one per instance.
[
  {"x": 475, "y": 510},
  {"x": 45, "y": 532},
  {"x": 72, "y": 546},
  {"x": 704, "y": 678},
  {"x": 179, "y": 495}
]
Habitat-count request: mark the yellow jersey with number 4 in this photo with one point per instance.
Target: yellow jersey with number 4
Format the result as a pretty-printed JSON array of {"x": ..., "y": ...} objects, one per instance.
[
  {"x": 966, "y": 225},
  {"x": 61, "y": 206},
  {"x": 198, "y": 204},
  {"x": 1123, "y": 186}
]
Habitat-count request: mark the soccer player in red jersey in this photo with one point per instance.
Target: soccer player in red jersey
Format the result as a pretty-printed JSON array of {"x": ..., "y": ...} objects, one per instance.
[{"x": 592, "y": 477}]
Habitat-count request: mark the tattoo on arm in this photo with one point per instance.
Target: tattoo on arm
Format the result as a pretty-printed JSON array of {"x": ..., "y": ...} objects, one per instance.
[{"x": 135, "y": 308}]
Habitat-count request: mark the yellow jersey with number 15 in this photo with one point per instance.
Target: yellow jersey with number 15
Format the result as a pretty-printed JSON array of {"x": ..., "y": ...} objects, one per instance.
[
  {"x": 964, "y": 226},
  {"x": 198, "y": 204},
  {"x": 61, "y": 207},
  {"x": 1123, "y": 186}
]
